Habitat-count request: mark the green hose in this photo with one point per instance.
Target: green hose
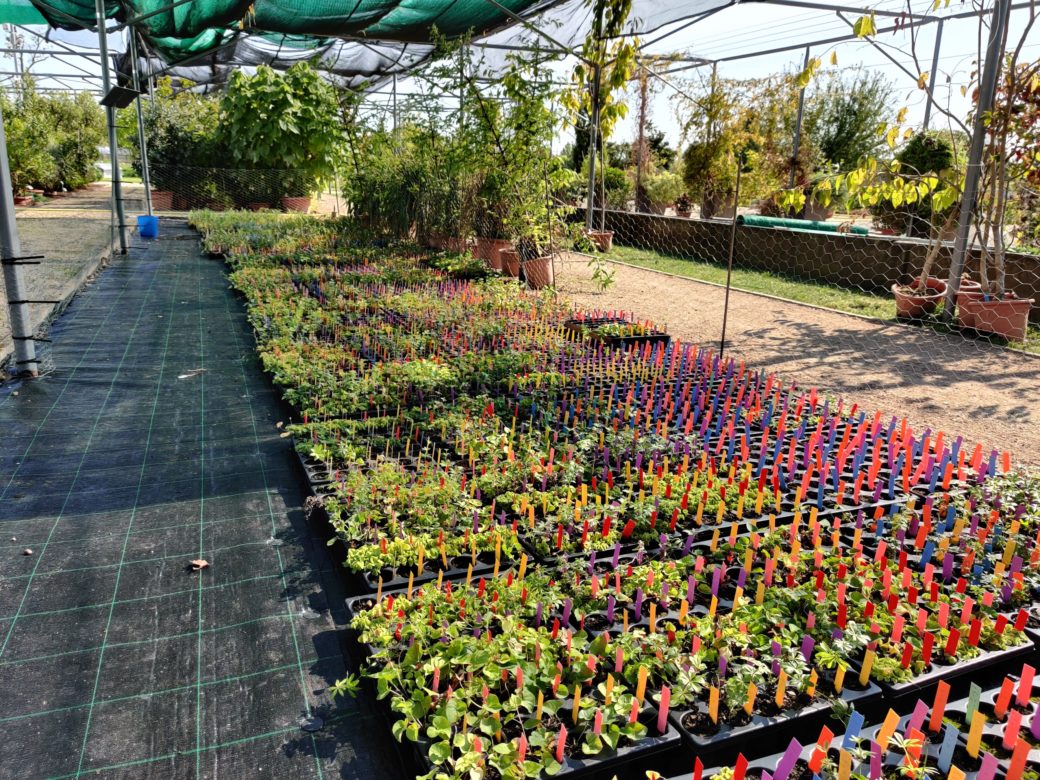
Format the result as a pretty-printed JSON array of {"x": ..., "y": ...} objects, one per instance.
[{"x": 753, "y": 220}]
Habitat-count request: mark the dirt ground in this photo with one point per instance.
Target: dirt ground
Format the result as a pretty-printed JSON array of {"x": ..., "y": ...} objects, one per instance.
[
  {"x": 73, "y": 233},
  {"x": 946, "y": 382}
]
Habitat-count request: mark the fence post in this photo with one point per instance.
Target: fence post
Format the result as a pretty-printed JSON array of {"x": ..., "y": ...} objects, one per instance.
[
  {"x": 110, "y": 114},
  {"x": 987, "y": 90},
  {"x": 729, "y": 259},
  {"x": 10, "y": 252},
  {"x": 593, "y": 131}
]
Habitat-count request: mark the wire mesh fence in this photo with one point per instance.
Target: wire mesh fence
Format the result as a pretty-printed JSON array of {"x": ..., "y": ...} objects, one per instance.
[{"x": 184, "y": 188}]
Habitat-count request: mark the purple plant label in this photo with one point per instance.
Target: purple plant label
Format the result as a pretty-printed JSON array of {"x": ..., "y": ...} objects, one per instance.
[
  {"x": 664, "y": 593},
  {"x": 947, "y": 567},
  {"x": 688, "y": 545},
  {"x": 610, "y": 609},
  {"x": 989, "y": 767},
  {"x": 566, "y": 611},
  {"x": 917, "y": 719},
  {"x": 875, "y": 760},
  {"x": 617, "y": 555},
  {"x": 716, "y": 580},
  {"x": 638, "y": 607},
  {"x": 1034, "y": 726},
  {"x": 690, "y": 586},
  {"x": 722, "y": 666},
  {"x": 742, "y": 578},
  {"x": 808, "y": 643},
  {"x": 788, "y": 760},
  {"x": 949, "y": 742}
]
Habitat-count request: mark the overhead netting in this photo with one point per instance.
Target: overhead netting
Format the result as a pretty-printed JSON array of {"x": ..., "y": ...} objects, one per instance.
[{"x": 356, "y": 42}]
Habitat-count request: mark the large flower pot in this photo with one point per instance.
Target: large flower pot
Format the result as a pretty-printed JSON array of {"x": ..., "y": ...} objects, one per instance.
[
  {"x": 914, "y": 303},
  {"x": 489, "y": 249},
  {"x": 301, "y": 204},
  {"x": 23, "y": 200},
  {"x": 1007, "y": 318},
  {"x": 603, "y": 239},
  {"x": 162, "y": 200},
  {"x": 539, "y": 272},
  {"x": 510, "y": 262},
  {"x": 968, "y": 289},
  {"x": 455, "y": 244}
]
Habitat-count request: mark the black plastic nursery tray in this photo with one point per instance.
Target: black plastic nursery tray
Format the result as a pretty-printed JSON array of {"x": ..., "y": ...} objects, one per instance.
[
  {"x": 770, "y": 730},
  {"x": 987, "y": 662},
  {"x": 605, "y": 766}
]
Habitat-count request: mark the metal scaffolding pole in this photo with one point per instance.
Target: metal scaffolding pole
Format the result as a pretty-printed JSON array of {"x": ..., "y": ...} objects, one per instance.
[
  {"x": 113, "y": 146},
  {"x": 987, "y": 90},
  {"x": 142, "y": 142},
  {"x": 798, "y": 124},
  {"x": 10, "y": 252},
  {"x": 932, "y": 75}
]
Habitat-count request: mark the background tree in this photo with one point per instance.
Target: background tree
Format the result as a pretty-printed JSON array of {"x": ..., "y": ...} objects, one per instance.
[{"x": 843, "y": 115}]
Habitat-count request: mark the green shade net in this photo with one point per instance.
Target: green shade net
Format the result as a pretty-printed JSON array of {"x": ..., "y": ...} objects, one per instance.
[
  {"x": 356, "y": 42},
  {"x": 20, "y": 12}
]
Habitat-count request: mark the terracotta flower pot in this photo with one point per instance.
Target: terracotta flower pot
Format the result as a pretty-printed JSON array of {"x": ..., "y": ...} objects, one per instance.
[
  {"x": 539, "y": 272},
  {"x": 510, "y": 262},
  {"x": 912, "y": 303},
  {"x": 455, "y": 244},
  {"x": 489, "y": 249},
  {"x": 301, "y": 204},
  {"x": 603, "y": 239},
  {"x": 968, "y": 289},
  {"x": 683, "y": 213},
  {"x": 23, "y": 200},
  {"x": 162, "y": 200},
  {"x": 1007, "y": 318}
]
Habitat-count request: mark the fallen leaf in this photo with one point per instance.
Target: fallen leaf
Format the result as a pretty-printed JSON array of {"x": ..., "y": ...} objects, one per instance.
[{"x": 199, "y": 564}]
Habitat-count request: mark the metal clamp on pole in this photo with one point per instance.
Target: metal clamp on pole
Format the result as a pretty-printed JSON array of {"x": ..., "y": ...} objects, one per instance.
[{"x": 33, "y": 260}]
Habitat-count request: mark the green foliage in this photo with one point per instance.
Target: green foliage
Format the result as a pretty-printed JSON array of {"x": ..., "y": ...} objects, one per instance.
[
  {"x": 287, "y": 122},
  {"x": 52, "y": 140},
  {"x": 843, "y": 116},
  {"x": 663, "y": 189}
]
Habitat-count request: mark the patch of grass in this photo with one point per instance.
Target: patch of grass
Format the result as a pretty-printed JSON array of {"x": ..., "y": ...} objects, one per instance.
[
  {"x": 130, "y": 177},
  {"x": 825, "y": 295},
  {"x": 792, "y": 289}
]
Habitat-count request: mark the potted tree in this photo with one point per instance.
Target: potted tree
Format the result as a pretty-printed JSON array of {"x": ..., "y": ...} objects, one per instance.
[
  {"x": 1012, "y": 137},
  {"x": 683, "y": 206},
  {"x": 305, "y": 144}
]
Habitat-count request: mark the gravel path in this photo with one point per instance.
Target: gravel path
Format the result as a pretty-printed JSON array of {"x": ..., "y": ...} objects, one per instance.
[
  {"x": 73, "y": 234},
  {"x": 987, "y": 394}
]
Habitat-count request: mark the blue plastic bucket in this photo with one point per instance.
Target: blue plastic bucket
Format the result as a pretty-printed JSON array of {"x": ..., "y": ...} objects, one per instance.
[{"x": 147, "y": 226}]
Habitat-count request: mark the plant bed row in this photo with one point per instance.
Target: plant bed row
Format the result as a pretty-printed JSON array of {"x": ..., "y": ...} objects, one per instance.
[{"x": 566, "y": 545}]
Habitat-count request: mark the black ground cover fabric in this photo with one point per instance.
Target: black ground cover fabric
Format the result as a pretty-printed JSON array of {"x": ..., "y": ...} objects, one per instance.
[{"x": 152, "y": 442}]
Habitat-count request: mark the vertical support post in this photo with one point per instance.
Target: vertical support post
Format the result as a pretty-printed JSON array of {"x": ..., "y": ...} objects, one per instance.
[
  {"x": 729, "y": 259},
  {"x": 932, "y": 75},
  {"x": 142, "y": 141},
  {"x": 987, "y": 91},
  {"x": 798, "y": 124},
  {"x": 590, "y": 206},
  {"x": 10, "y": 247},
  {"x": 394, "y": 99},
  {"x": 462, "y": 87},
  {"x": 110, "y": 113}
]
